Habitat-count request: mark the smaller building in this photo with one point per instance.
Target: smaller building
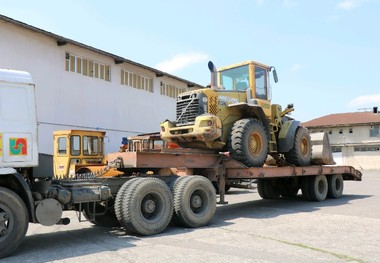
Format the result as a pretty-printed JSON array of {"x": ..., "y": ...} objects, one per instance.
[{"x": 354, "y": 137}]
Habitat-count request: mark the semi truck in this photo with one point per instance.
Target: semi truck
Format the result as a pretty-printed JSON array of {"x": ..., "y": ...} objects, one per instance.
[{"x": 142, "y": 187}]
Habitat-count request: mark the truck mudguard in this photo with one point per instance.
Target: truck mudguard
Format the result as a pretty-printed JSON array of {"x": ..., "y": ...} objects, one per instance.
[
  {"x": 22, "y": 189},
  {"x": 286, "y": 135}
]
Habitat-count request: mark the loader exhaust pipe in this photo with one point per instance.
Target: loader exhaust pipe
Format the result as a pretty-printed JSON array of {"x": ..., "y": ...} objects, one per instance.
[{"x": 213, "y": 72}]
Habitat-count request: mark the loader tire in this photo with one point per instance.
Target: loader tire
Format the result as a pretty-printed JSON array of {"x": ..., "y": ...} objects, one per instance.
[
  {"x": 14, "y": 221},
  {"x": 147, "y": 207},
  {"x": 300, "y": 154},
  {"x": 194, "y": 201},
  {"x": 248, "y": 142}
]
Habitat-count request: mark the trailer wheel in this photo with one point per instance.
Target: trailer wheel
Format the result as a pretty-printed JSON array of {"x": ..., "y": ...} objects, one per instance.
[
  {"x": 147, "y": 206},
  {"x": 318, "y": 187},
  {"x": 104, "y": 220},
  {"x": 266, "y": 189},
  {"x": 335, "y": 186},
  {"x": 14, "y": 221},
  {"x": 248, "y": 142},
  {"x": 300, "y": 154},
  {"x": 194, "y": 201}
]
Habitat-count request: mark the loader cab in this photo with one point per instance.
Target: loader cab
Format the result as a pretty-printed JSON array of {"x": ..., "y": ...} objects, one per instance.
[
  {"x": 75, "y": 149},
  {"x": 249, "y": 77}
]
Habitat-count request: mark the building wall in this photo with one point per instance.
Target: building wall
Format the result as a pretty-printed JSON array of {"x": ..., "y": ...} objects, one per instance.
[
  {"x": 68, "y": 100},
  {"x": 354, "y": 146}
]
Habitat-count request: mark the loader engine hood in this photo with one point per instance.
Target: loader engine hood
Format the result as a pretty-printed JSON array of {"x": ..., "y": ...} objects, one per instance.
[{"x": 194, "y": 103}]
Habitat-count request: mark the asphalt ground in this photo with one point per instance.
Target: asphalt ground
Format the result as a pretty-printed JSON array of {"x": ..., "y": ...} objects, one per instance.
[{"x": 248, "y": 229}]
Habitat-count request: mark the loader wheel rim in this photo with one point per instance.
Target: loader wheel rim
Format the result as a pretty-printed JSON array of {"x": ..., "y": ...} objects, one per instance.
[
  {"x": 304, "y": 146},
  {"x": 255, "y": 143}
]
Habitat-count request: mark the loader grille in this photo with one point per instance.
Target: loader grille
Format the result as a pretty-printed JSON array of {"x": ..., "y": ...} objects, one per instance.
[{"x": 189, "y": 106}]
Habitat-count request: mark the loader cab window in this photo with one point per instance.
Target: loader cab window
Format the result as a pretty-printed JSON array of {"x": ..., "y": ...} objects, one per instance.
[
  {"x": 75, "y": 145},
  {"x": 261, "y": 83},
  {"x": 235, "y": 78}
]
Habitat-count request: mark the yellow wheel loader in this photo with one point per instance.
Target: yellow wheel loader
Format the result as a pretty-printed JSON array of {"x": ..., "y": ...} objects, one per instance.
[{"x": 235, "y": 115}]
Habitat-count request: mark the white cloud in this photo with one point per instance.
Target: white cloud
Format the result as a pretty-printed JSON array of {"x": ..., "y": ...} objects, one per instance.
[
  {"x": 297, "y": 67},
  {"x": 348, "y": 5},
  {"x": 181, "y": 61},
  {"x": 366, "y": 100}
]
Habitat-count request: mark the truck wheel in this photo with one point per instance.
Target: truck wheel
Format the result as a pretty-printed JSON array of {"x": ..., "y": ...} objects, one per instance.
[
  {"x": 248, "y": 142},
  {"x": 119, "y": 208},
  {"x": 300, "y": 154},
  {"x": 14, "y": 221},
  {"x": 335, "y": 186},
  {"x": 104, "y": 220},
  {"x": 318, "y": 188},
  {"x": 147, "y": 206},
  {"x": 194, "y": 201},
  {"x": 260, "y": 188}
]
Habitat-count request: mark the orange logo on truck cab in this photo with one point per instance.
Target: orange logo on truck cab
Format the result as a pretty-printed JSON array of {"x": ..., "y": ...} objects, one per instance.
[{"x": 18, "y": 146}]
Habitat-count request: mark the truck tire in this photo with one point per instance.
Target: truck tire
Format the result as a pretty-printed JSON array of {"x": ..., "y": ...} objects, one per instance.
[
  {"x": 147, "y": 207},
  {"x": 318, "y": 187},
  {"x": 300, "y": 154},
  {"x": 14, "y": 221},
  {"x": 194, "y": 201},
  {"x": 104, "y": 220},
  {"x": 248, "y": 142},
  {"x": 305, "y": 188},
  {"x": 335, "y": 186},
  {"x": 119, "y": 200}
]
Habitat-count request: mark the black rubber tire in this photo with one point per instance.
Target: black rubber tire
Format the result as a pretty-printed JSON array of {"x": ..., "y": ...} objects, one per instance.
[
  {"x": 318, "y": 187},
  {"x": 119, "y": 200},
  {"x": 147, "y": 207},
  {"x": 108, "y": 219},
  {"x": 335, "y": 186},
  {"x": 248, "y": 142},
  {"x": 260, "y": 188},
  {"x": 16, "y": 224},
  {"x": 194, "y": 201},
  {"x": 300, "y": 154},
  {"x": 180, "y": 180}
]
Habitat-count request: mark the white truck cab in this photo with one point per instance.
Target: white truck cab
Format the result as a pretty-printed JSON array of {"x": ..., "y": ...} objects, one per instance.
[{"x": 18, "y": 121}]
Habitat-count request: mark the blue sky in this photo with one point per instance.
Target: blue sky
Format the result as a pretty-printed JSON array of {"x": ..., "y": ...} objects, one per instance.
[{"x": 327, "y": 53}]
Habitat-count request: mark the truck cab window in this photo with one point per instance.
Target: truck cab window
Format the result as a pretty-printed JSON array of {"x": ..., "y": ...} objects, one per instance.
[
  {"x": 260, "y": 82},
  {"x": 90, "y": 145}
]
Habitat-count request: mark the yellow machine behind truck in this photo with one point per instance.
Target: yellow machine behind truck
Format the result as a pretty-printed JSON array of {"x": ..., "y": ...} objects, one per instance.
[{"x": 236, "y": 115}]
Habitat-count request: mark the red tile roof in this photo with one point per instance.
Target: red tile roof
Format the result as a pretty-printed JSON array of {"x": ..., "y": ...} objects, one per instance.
[{"x": 343, "y": 119}]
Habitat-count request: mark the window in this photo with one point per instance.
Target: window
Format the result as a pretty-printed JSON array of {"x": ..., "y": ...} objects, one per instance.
[
  {"x": 260, "y": 83},
  {"x": 136, "y": 81},
  {"x": 62, "y": 143},
  {"x": 341, "y": 131},
  {"x": 367, "y": 148},
  {"x": 350, "y": 130},
  {"x": 90, "y": 145},
  {"x": 75, "y": 145},
  {"x": 235, "y": 78},
  {"x": 374, "y": 131},
  {"x": 330, "y": 131},
  {"x": 87, "y": 67},
  {"x": 336, "y": 149},
  {"x": 170, "y": 90}
]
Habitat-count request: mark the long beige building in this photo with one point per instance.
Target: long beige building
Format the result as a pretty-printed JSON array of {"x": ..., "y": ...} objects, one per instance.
[{"x": 354, "y": 137}]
